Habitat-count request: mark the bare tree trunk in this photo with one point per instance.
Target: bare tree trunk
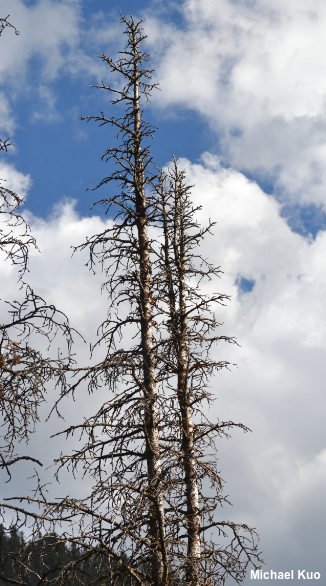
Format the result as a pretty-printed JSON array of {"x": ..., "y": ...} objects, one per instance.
[
  {"x": 156, "y": 512},
  {"x": 150, "y": 448},
  {"x": 179, "y": 331},
  {"x": 193, "y": 516}
]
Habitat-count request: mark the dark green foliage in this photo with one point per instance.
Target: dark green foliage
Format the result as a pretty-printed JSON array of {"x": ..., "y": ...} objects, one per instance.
[
  {"x": 10, "y": 545},
  {"x": 21, "y": 563}
]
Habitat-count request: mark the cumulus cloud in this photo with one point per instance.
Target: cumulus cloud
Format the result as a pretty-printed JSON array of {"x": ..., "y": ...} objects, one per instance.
[
  {"x": 275, "y": 476},
  {"x": 64, "y": 276},
  {"x": 255, "y": 71},
  {"x": 63, "y": 281},
  {"x": 46, "y": 29},
  {"x": 48, "y": 109},
  {"x": 7, "y": 121},
  {"x": 55, "y": 39},
  {"x": 15, "y": 180}
]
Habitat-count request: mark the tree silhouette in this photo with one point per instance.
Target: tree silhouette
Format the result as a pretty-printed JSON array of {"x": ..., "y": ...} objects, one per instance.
[
  {"x": 150, "y": 448},
  {"x": 24, "y": 370}
]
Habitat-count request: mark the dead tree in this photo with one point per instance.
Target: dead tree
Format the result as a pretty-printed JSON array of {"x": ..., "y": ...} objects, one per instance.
[
  {"x": 147, "y": 448},
  {"x": 5, "y": 23},
  {"x": 123, "y": 518},
  {"x": 24, "y": 370},
  {"x": 127, "y": 246},
  {"x": 191, "y": 334}
]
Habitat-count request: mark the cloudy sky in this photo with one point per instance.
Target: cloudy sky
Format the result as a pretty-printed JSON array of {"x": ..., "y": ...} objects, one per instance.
[{"x": 243, "y": 106}]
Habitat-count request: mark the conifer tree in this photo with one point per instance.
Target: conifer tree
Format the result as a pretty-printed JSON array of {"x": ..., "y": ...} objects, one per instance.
[
  {"x": 156, "y": 490},
  {"x": 186, "y": 359},
  {"x": 24, "y": 371},
  {"x": 130, "y": 456}
]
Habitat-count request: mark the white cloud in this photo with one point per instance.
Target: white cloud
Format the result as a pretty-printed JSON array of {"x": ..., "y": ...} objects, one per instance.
[
  {"x": 48, "y": 110},
  {"x": 59, "y": 275},
  {"x": 46, "y": 28},
  {"x": 56, "y": 33},
  {"x": 7, "y": 122},
  {"x": 54, "y": 38},
  {"x": 256, "y": 71},
  {"x": 14, "y": 180},
  {"x": 275, "y": 476}
]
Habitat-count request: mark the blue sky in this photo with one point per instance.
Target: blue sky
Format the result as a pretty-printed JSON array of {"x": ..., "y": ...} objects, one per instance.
[
  {"x": 63, "y": 156},
  {"x": 242, "y": 103},
  {"x": 60, "y": 152}
]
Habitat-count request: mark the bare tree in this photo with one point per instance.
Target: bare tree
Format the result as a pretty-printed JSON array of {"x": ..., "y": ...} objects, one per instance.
[
  {"x": 24, "y": 370},
  {"x": 5, "y": 23},
  {"x": 150, "y": 448},
  {"x": 123, "y": 518},
  {"x": 130, "y": 421},
  {"x": 190, "y": 327}
]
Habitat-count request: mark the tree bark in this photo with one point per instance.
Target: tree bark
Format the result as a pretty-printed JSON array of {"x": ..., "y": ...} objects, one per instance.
[
  {"x": 156, "y": 509},
  {"x": 179, "y": 330}
]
